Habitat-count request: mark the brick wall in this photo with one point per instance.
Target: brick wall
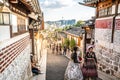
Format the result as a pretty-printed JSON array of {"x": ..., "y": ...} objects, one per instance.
[{"x": 15, "y": 58}]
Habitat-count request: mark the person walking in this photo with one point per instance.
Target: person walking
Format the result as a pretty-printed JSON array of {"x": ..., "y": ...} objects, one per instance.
[
  {"x": 64, "y": 50},
  {"x": 56, "y": 49},
  {"x": 73, "y": 70},
  {"x": 53, "y": 48},
  {"x": 89, "y": 68},
  {"x": 60, "y": 49}
]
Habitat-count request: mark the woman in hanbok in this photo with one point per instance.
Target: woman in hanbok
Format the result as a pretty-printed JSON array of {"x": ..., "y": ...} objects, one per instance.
[
  {"x": 73, "y": 70},
  {"x": 89, "y": 68}
]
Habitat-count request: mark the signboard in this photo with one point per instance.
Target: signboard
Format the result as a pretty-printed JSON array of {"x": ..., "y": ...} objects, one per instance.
[{"x": 105, "y": 23}]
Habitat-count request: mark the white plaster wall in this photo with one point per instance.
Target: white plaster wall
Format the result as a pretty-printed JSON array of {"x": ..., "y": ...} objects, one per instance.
[
  {"x": 119, "y": 9},
  {"x": 103, "y": 34},
  {"x": 4, "y": 32}
]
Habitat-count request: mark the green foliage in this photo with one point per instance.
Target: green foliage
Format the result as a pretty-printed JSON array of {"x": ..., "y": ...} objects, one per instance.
[
  {"x": 58, "y": 30},
  {"x": 67, "y": 42},
  {"x": 72, "y": 43},
  {"x": 67, "y": 27},
  {"x": 79, "y": 23}
]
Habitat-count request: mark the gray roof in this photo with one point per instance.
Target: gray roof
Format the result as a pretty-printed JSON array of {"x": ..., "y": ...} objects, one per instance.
[
  {"x": 63, "y": 34},
  {"x": 77, "y": 31}
]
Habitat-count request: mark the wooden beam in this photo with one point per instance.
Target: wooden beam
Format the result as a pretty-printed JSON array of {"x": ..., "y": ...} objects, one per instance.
[{"x": 113, "y": 26}]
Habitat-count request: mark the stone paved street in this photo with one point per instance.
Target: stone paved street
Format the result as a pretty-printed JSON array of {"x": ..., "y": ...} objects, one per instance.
[{"x": 56, "y": 66}]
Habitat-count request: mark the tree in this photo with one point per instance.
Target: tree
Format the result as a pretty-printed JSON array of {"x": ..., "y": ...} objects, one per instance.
[
  {"x": 79, "y": 23},
  {"x": 72, "y": 44},
  {"x": 67, "y": 42}
]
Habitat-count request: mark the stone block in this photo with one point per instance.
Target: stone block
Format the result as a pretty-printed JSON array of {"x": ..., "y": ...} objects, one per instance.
[
  {"x": 108, "y": 71},
  {"x": 115, "y": 68},
  {"x": 115, "y": 63}
]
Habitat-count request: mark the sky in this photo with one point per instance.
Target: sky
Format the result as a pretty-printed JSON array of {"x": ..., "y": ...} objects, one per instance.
[{"x": 65, "y": 9}]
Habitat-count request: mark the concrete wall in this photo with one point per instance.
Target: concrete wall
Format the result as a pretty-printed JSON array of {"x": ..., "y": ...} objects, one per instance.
[{"x": 108, "y": 54}]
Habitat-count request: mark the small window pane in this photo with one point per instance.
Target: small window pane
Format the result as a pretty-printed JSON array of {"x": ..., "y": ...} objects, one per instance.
[
  {"x": 109, "y": 10},
  {"x": 105, "y": 12},
  {"x": 1, "y": 18},
  {"x": 6, "y": 18}
]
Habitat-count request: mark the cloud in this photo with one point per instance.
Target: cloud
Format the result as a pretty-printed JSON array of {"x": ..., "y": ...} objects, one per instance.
[{"x": 53, "y": 4}]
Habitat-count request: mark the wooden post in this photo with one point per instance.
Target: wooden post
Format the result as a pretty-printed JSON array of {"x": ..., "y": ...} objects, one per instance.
[
  {"x": 85, "y": 41},
  {"x": 32, "y": 38},
  {"x": 113, "y": 25},
  {"x": 11, "y": 35},
  {"x": 97, "y": 12}
]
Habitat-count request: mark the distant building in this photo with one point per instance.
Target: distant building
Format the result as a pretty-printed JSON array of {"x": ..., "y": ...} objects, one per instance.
[{"x": 61, "y": 23}]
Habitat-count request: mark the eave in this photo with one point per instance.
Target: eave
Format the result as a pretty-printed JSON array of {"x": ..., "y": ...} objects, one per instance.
[
  {"x": 93, "y": 5},
  {"x": 29, "y": 7}
]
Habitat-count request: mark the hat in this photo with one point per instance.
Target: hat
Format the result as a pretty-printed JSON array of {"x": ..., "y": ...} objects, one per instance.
[{"x": 90, "y": 46}]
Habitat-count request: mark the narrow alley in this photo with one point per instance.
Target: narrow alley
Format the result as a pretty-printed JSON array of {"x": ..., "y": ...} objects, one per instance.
[
  {"x": 56, "y": 66},
  {"x": 38, "y": 38}
]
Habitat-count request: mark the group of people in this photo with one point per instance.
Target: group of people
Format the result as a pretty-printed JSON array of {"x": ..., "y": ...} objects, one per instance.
[
  {"x": 56, "y": 48},
  {"x": 88, "y": 70}
]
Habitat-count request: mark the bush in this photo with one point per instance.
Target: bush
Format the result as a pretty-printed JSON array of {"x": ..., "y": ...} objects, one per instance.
[
  {"x": 72, "y": 44},
  {"x": 67, "y": 42}
]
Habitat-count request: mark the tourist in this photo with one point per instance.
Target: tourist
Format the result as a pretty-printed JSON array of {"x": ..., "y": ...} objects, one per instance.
[
  {"x": 56, "y": 49},
  {"x": 89, "y": 68},
  {"x": 64, "y": 50},
  {"x": 35, "y": 69},
  {"x": 60, "y": 49},
  {"x": 53, "y": 48},
  {"x": 73, "y": 71}
]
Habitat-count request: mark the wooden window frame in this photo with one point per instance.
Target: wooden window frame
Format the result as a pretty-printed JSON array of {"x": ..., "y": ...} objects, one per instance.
[
  {"x": 105, "y": 12},
  {"x": 3, "y": 22}
]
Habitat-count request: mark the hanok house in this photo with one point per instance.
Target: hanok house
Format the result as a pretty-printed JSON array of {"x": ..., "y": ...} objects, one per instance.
[
  {"x": 36, "y": 24},
  {"x": 76, "y": 33},
  {"x": 15, "y": 43},
  {"x": 62, "y": 36},
  {"x": 107, "y": 34}
]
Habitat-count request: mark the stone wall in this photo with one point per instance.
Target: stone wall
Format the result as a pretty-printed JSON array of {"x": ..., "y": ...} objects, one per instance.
[
  {"x": 108, "y": 54},
  {"x": 15, "y": 61}
]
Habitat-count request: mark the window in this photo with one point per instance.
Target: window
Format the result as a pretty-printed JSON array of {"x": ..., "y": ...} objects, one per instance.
[
  {"x": 109, "y": 10},
  {"x": 4, "y": 18},
  {"x": 105, "y": 12},
  {"x": 21, "y": 24}
]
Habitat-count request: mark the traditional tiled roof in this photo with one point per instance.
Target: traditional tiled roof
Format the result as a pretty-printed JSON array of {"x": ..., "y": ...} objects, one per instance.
[
  {"x": 62, "y": 34},
  {"x": 76, "y": 31}
]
